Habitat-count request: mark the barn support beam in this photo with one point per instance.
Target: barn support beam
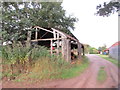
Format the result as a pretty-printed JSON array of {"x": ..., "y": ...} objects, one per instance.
[
  {"x": 83, "y": 50},
  {"x": 51, "y": 49},
  {"x": 68, "y": 52},
  {"x": 66, "y": 49},
  {"x": 54, "y": 34},
  {"x": 58, "y": 43},
  {"x": 36, "y": 34},
  {"x": 48, "y": 39},
  {"x": 63, "y": 47},
  {"x": 28, "y": 43},
  {"x": 79, "y": 50}
]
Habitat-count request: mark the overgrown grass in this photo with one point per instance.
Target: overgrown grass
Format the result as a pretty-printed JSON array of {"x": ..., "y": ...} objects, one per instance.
[
  {"x": 76, "y": 70},
  {"x": 102, "y": 75},
  {"x": 35, "y": 63},
  {"x": 47, "y": 69},
  {"x": 110, "y": 59},
  {"x": 0, "y": 68},
  {"x": 17, "y": 59}
]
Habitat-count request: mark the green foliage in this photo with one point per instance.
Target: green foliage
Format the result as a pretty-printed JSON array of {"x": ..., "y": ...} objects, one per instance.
[
  {"x": 18, "y": 58},
  {"x": 35, "y": 63},
  {"x": 56, "y": 68},
  {"x": 86, "y": 47},
  {"x": 108, "y": 8},
  {"x": 17, "y": 17},
  {"x": 18, "y": 52},
  {"x": 90, "y": 50},
  {"x": 93, "y": 50},
  {"x": 75, "y": 70},
  {"x": 45, "y": 68},
  {"x": 102, "y": 48}
]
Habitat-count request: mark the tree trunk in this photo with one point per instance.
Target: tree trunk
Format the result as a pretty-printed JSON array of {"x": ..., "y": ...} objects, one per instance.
[{"x": 28, "y": 44}]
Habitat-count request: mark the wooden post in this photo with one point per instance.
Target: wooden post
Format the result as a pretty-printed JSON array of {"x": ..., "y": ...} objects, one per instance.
[
  {"x": 63, "y": 47},
  {"x": 79, "y": 50},
  {"x": 68, "y": 52},
  {"x": 83, "y": 50},
  {"x": 66, "y": 49},
  {"x": 58, "y": 44},
  {"x": 28, "y": 44},
  {"x": 51, "y": 49},
  {"x": 54, "y": 34},
  {"x": 36, "y": 34}
]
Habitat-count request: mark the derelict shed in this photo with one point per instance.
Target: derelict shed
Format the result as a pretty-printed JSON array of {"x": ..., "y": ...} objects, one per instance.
[{"x": 57, "y": 41}]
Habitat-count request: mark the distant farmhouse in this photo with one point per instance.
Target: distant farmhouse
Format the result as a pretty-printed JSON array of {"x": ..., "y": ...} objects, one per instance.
[{"x": 114, "y": 50}]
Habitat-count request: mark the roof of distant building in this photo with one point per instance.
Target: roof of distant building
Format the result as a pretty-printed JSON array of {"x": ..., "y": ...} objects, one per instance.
[{"x": 115, "y": 44}]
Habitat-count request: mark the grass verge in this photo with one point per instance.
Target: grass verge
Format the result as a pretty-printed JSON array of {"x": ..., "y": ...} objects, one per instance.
[
  {"x": 20, "y": 63},
  {"x": 101, "y": 75},
  {"x": 45, "y": 70},
  {"x": 75, "y": 70},
  {"x": 110, "y": 59}
]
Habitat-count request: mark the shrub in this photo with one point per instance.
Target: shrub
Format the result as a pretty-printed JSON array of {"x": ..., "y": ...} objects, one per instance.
[
  {"x": 22, "y": 63},
  {"x": 17, "y": 58}
]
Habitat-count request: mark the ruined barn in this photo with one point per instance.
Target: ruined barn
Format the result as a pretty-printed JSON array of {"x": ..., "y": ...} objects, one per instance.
[{"x": 57, "y": 42}]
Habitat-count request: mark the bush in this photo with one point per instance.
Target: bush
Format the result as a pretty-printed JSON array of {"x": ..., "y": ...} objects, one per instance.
[
  {"x": 17, "y": 58},
  {"x": 35, "y": 63},
  {"x": 93, "y": 51},
  {"x": 55, "y": 68}
]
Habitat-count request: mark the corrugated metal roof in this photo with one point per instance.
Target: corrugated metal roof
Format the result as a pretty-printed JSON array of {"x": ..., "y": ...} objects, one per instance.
[{"x": 115, "y": 44}]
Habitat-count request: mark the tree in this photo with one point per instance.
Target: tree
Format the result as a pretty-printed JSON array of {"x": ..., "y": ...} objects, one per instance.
[
  {"x": 102, "y": 48},
  {"x": 108, "y": 8},
  {"x": 18, "y": 17},
  {"x": 93, "y": 50},
  {"x": 86, "y": 47},
  {"x": 99, "y": 49}
]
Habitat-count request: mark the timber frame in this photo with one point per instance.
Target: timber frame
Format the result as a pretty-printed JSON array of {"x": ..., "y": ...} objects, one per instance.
[{"x": 65, "y": 43}]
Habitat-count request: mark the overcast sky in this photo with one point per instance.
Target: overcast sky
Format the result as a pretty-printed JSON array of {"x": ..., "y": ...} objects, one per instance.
[{"x": 90, "y": 29}]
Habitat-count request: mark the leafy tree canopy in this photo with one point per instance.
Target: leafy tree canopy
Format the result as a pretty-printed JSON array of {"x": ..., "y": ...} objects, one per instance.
[
  {"x": 18, "y": 17},
  {"x": 108, "y": 8},
  {"x": 102, "y": 48}
]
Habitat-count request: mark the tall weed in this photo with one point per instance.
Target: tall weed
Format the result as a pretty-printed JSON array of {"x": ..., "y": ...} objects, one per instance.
[{"x": 17, "y": 58}]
